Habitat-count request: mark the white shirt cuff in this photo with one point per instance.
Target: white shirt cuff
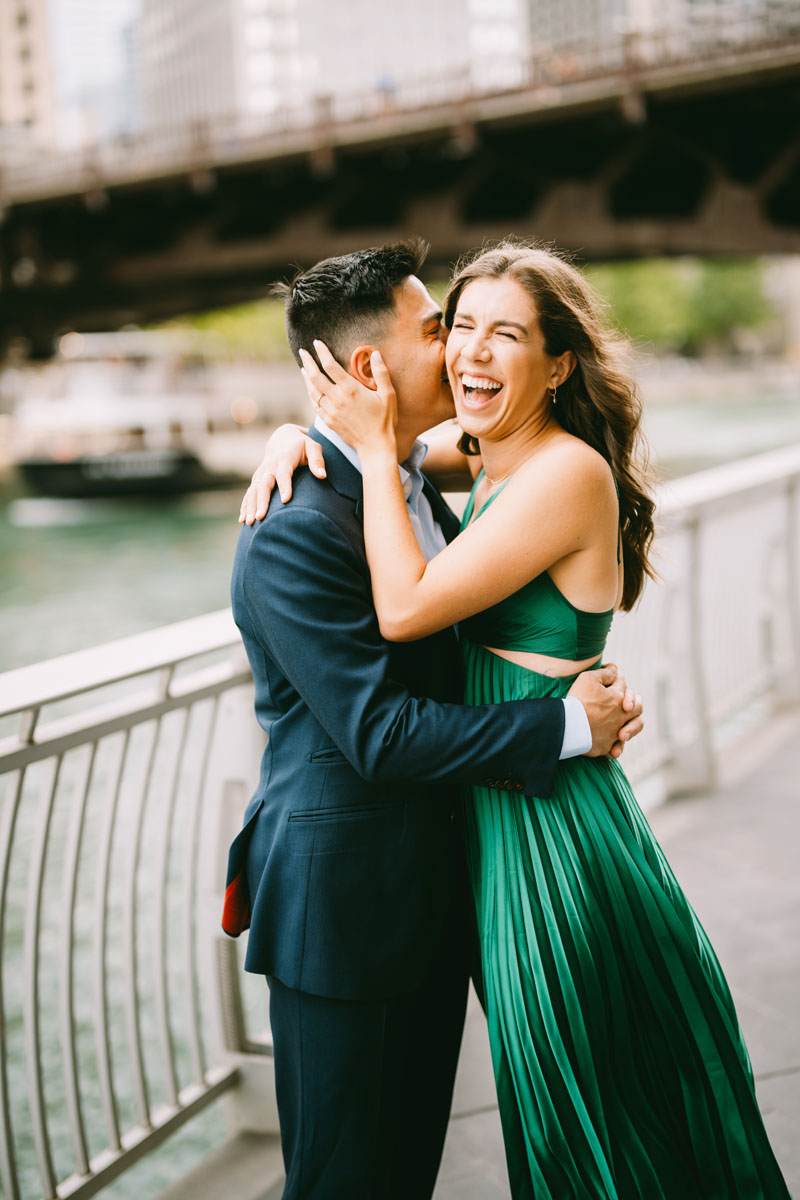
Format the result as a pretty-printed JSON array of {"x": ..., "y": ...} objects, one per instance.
[{"x": 577, "y": 732}]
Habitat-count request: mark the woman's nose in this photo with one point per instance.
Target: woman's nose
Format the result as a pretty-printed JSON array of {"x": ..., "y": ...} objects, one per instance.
[{"x": 477, "y": 348}]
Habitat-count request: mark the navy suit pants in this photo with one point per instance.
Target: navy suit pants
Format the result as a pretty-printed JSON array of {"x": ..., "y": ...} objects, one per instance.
[{"x": 364, "y": 1088}]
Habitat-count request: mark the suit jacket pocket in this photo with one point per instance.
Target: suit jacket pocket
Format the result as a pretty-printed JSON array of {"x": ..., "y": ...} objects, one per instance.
[
  {"x": 340, "y": 830},
  {"x": 329, "y": 754}
]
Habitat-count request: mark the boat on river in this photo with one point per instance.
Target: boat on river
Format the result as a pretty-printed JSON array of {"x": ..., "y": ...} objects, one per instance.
[{"x": 131, "y": 413}]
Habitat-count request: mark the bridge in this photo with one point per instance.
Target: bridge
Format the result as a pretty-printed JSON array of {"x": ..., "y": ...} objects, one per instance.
[
  {"x": 125, "y": 1017},
  {"x": 669, "y": 141}
]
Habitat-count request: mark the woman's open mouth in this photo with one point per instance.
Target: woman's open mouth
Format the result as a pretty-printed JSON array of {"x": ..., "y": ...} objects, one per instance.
[{"x": 479, "y": 390}]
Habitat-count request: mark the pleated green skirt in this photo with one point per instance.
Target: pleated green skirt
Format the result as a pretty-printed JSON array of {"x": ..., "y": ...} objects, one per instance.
[{"x": 620, "y": 1066}]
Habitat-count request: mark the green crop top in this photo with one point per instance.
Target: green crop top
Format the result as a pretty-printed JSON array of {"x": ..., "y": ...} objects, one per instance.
[{"x": 538, "y": 618}]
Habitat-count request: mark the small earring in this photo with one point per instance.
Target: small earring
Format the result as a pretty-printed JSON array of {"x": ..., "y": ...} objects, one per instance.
[{"x": 555, "y": 395}]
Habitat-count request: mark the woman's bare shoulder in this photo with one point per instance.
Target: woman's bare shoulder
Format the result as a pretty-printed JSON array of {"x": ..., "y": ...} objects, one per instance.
[{"x": 572, "y": 465}]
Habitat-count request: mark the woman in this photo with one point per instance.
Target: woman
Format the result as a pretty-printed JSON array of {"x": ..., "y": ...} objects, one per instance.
[{"x": 620, "y": 1067}]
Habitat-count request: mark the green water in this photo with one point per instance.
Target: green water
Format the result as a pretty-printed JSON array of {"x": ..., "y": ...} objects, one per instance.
[
  {"x": 687, "y": 437},
  {"x": 77, "y": 573}
]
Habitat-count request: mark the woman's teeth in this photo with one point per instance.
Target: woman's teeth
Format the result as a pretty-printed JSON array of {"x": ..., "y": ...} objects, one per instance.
[{"x": 479, "y": 387}]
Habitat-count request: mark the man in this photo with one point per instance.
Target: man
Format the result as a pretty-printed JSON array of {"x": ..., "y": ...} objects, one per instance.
[{"x": 349, "y": 867}]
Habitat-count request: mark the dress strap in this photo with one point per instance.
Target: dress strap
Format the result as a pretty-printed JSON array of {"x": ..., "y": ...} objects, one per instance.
[{"x": 470, "y": 507}]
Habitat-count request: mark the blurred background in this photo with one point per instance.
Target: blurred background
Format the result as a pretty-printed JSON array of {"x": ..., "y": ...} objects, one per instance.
[{"x": 162, "y": 161}]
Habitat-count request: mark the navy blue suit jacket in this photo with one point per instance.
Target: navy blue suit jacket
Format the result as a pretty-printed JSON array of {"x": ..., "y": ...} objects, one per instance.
[{"x": 347, "y": 867}]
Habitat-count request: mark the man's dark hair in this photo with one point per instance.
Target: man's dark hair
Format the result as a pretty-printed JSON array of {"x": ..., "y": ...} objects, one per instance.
[{"x": 345, "y": 301}]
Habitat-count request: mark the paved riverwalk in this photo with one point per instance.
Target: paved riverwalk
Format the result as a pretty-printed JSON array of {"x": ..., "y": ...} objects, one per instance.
[{"x": 735, "y": 852}]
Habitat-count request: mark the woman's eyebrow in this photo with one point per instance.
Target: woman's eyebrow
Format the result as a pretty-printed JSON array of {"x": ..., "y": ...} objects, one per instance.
[{"x": 514, "y": 324}]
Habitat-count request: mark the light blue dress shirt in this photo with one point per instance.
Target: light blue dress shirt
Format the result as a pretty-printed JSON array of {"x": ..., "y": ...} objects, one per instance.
[{"x": 577, "y": 733}]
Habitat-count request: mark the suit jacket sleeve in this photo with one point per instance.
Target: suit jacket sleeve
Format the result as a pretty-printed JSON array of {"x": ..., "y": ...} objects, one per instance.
[{"x": 309, "y": 597}]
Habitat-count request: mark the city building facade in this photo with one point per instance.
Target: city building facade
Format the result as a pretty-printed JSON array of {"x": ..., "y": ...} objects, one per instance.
[{"x": 27, "y": 115}]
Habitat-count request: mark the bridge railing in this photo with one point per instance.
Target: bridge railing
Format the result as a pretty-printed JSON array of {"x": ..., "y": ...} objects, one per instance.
[
  {"x": 127, "y": 769},
  {"x": 544, "y": 75}
]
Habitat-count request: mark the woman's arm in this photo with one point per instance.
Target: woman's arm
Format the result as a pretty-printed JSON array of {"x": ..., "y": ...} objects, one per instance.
[
  {"x": 545, "y": 513},
  {"x": 288, "y": 448}
]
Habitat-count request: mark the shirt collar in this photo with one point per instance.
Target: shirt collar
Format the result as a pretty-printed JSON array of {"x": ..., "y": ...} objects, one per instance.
[{"x": 409, "y": 470}]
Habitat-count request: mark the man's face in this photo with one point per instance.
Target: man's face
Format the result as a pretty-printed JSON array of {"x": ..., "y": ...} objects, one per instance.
[{"x": 412, "y": 347}]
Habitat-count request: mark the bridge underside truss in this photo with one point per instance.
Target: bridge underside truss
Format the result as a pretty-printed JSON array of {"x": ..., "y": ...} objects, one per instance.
[{"x": 711, "y": 168}]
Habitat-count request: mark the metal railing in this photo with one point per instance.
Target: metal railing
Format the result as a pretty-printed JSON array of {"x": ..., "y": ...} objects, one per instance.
[
  {"x": 715, "y": 645},
  {"x": 125, "y": 762},
  {"x": 127, "y": 769},
  {"x": 543, "y": 77}
]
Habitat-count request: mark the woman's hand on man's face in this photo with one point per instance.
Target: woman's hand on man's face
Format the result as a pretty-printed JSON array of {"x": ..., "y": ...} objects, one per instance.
[
  {"x": 288, "y": 448},
  {"x": 363, "y": 417}
]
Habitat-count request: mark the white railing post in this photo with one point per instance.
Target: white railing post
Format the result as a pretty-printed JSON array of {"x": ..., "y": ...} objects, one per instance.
[
  {"x": 692, "y": 767},
  {"x": 790, "y": 691}
]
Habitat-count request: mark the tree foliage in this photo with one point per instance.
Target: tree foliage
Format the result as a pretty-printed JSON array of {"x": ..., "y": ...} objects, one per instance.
[
  {"x": 686, "y": 305},
  {"x": 248, "y": 331}
]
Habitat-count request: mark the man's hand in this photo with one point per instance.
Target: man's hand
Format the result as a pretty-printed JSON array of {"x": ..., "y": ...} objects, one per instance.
[
  {"x": 614, "y": 711},
  {"x": 287, "y": 449}
]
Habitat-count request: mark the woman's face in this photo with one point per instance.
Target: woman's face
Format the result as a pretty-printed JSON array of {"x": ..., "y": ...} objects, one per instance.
[{"x": 496, "y": 360}]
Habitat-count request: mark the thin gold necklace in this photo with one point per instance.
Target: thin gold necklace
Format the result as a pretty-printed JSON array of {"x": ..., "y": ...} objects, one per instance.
[{"x": 500, "y": 478}]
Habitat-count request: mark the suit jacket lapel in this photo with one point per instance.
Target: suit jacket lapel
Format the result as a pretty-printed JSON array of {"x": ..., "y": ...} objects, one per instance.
[{"x": 341, "y": 474}]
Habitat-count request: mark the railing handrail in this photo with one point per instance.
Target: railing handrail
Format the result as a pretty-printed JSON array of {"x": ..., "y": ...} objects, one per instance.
[
  {"x": 730, "y": 485},
  {"x": 138, "y": 654}
]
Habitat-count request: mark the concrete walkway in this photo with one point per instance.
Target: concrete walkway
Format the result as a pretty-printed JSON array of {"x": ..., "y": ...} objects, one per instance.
[{"x": 736, "y": 854}]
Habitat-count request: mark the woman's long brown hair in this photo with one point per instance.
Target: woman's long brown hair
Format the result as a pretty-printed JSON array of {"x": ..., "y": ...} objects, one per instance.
[{"x": 599, "y": 402}]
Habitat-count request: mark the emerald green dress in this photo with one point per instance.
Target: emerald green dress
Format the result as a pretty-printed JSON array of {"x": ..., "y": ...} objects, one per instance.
[{"x": 620, "y": 1066}]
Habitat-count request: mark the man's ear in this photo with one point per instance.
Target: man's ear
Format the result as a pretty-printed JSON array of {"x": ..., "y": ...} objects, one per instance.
[{"x": 360, "y": 366}]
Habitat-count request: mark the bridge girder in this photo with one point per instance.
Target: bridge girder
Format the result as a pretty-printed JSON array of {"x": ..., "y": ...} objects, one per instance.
[{"x": 709, "y": 169}]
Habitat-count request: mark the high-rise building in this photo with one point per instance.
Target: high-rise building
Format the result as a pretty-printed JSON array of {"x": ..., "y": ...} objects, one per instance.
[
  {"x": 499, "y": 42},
  {"x": 384, "y": 46},
  {"x": 556, "y": 25},
  {"x": 26, "y": 91},
  {"x": 95, "y": 68},
  {"x": 218, "y": 58},
  {"x": 187, "y": 60},
  {"x": 273, "y": 64},
  {"x": 209, "y": 58}
]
